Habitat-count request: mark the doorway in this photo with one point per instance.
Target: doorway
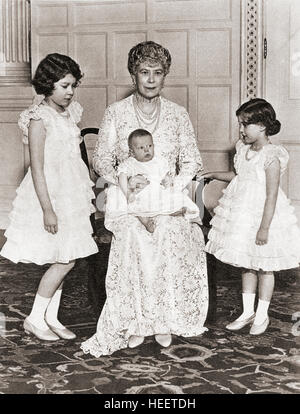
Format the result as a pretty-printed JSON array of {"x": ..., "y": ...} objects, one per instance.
[{"x": 282, "y": 84}]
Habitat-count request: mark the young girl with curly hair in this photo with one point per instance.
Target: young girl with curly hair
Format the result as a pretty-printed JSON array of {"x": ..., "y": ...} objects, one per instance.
[
  {"x": 254, "y": 226},
  {"x": 50, "y": 220}
]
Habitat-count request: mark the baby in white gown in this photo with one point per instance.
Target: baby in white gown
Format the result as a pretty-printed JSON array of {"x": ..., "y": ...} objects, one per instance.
[{"x": 157, "y": 198}]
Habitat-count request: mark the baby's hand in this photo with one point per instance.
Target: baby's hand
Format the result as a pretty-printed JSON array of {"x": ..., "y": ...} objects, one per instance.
[
  {"x": 167, "y": 181},
  {"x": 262, "y": 237},
  {"x": 137, "y": 182}
]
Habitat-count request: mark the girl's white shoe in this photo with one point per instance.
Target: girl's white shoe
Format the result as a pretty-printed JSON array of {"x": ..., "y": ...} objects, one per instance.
[
  {"x": 63, "y": 333},
  {"x": 259, "y": 329},
  {"x": 237, "y": 325},
  {"x": 43, "y": 334}
]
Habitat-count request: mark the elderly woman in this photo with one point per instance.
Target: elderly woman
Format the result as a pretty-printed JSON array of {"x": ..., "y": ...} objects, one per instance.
[{"x": 156, "y": 283}]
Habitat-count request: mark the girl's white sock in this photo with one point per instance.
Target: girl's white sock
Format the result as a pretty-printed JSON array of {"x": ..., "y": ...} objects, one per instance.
[
  {"x": 248, "y": 306},
  {"x": 52, "y": 310},
  {"x": 38, "y": 310},
  {"x": 261, "y": 311}
]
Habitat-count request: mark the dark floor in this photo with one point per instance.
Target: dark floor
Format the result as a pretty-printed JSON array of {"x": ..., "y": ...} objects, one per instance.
[{"x": 218, "y": 362}]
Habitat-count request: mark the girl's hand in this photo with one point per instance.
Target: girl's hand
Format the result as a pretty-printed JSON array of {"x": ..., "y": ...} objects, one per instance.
[
  {"x": 137, "y": 182},
  {"x": 262, "y": 237},
  {"x": 50, "y": 221}
]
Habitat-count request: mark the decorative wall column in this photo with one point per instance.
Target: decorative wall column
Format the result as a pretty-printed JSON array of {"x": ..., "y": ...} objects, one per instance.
[
  {"x": 252, "y": 49},
  {"x": 14, "y": 42}
]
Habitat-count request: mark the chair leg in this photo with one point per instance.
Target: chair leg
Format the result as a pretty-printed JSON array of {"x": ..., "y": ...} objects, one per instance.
[
  {"x": 212, "y": 288},
  {"x": 97, "y": 268}
]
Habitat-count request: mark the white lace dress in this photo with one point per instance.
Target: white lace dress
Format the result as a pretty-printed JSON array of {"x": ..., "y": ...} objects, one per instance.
[
  {"x": 238, "y": 216},
  {"x": 70, "y": 191},
  {"x": 155, "y": 282},
  {"x": 153, "y": 200}
]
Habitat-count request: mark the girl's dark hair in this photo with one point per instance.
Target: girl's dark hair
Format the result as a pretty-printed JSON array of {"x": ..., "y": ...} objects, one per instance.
[
  {"x": 148, "y": 52},
  {"x": 137, "y": 133},
  {"x": 259, "y": 111},
  {"x": 51, "y": 69}
]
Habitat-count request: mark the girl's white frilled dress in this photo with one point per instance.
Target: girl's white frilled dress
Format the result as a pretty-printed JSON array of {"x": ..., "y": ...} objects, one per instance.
[
  {"x": 238, "y": 216},
  {"x": 70, "y": 191}
]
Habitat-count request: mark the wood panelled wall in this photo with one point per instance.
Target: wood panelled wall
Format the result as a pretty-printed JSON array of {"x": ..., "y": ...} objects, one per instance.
[
  {"x": 15, "y": 95},
  {"x": 282, "y": 86},
  {"x": 203, "y": 37}
]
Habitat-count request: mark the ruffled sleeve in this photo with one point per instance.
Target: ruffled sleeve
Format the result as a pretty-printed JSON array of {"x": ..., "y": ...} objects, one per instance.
[
  {"x": 239, "y": 145},
  {"x": 75, "y": 110},
  {"x": 237, "y": 158},
  {"x": 277, "y": 152},
  {"x": 33, "y": 112}
]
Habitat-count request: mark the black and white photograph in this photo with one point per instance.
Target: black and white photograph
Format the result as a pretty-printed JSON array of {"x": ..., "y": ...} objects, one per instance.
[{"x": 149, "y": 200}]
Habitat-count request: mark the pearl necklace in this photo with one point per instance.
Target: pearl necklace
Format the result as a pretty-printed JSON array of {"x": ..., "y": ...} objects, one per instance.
[{"x": 147, "y": 121}]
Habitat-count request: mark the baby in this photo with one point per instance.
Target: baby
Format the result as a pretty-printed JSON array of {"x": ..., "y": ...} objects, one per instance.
[{"x": 159, "y": 197}]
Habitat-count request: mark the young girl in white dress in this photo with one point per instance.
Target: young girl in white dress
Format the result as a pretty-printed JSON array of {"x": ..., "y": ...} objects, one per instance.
[
  {"x": 254, "y": 226},
  {"x": 50, "y": 220},
  {"x": 157, "y": 198}
]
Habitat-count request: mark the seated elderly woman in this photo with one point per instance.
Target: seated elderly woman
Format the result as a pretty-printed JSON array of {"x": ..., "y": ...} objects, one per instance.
[{"x": 156, "y": 283}]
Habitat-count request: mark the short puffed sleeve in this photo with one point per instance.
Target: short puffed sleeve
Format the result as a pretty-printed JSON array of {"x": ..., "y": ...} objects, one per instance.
[
  {"x": 239, "y": 145},
  {"x": 33, "y": 112},
  {"x": 237, "y": 156},
  {"x": 75, "y": 110},
  {"x": 277, "y": 152}
]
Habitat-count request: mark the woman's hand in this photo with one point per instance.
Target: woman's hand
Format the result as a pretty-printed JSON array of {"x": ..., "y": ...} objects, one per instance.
[
  {"x": 50, "y": 221},
  {"x": 167, "y": 181},
  {"x": 209, "y": 175},
  {"x": 137, "y": 182},
  {"x": 262, "y": 236},
  {"x": 226, "y": 176}
]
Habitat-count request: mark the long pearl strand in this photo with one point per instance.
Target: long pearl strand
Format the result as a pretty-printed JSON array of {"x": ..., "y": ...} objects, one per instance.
[{"x": 146, "y": 120}]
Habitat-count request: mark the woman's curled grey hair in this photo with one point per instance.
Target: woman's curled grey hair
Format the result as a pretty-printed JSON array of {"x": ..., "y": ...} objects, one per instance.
[{"x": 148, "y": 52}]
